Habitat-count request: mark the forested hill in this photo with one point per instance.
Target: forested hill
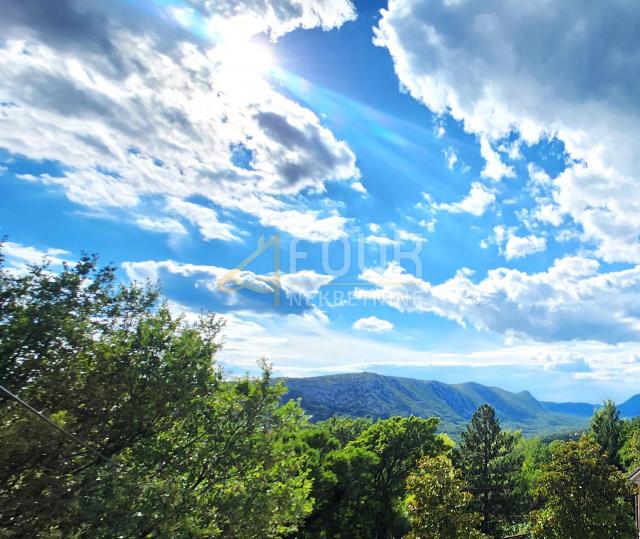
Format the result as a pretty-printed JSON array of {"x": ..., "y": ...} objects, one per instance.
[{"x": 373, "y": 395}]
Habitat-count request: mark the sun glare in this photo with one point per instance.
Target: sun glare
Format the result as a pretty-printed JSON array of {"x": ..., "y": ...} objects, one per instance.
[{"x": 247, "y": 59}]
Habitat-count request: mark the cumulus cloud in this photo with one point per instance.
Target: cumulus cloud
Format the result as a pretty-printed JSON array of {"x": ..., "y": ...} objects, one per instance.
[
  {"x": 277, "y": 17},
  {"x": 514, "y": 246},
  {"x": 309, "y": 225},
  {"x": 521, "y": 246},
  {"x": 494, "y": 168},
  {"x": 134, "y": 105},
  {"x": 373, "y": 325},
  {"x": 548, "y": 213},
  {"x": 205, "y": 218},
  {"x": 476, "y": 202},
  {"x": 19, "y": 256},
  {"x": 569, "y": 301},
  {"x": 544, "y": 70},
  {"x": 220, "y": 280},
  {"x": 307, "y": 283}
]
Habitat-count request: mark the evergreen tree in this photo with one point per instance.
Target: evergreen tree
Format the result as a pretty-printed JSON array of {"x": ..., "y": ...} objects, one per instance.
[
  {"x": 582, "y": 496},
  {"x": 490, "y": 467},
  {"x": 606, "y": 430}
]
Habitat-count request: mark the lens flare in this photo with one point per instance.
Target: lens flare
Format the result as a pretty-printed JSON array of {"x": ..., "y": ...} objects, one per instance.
[{"x": 246, "y": 59}]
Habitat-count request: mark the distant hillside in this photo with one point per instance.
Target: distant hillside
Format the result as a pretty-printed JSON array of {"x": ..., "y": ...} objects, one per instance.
[
  {"x": 580, "y": 409},
  {"x": 630, "y": 407},
  {"x": 373, "y": 395}
]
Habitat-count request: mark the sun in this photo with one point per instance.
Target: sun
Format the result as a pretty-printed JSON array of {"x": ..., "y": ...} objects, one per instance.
[{"x": 247, "y": 59}]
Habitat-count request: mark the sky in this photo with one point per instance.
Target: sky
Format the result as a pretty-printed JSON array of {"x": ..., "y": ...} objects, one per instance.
[{"x": 440, "y": 189}]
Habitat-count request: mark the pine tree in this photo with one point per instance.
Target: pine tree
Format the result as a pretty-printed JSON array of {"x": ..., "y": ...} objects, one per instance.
[
  {"x": 489, "y": 466},
  {"x": 606, "y": 431}
]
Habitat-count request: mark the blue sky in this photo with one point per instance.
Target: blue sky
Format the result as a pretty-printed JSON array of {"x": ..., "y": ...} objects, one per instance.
[{"x": 447, "y": 189}]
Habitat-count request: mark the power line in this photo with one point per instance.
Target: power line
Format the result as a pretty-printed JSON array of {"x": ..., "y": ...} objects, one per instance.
[{"x": 57, "y": 427}]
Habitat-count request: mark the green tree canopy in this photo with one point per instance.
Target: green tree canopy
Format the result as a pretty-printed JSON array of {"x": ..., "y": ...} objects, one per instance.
[
  {"x": 630, "y": 451},
  {"x": 360, "y": 488},
  {"x": 439, "y": 506},
  {"x": 190, "y": 455},
  {"x": 397, "y": 443},
  {"x": 344, "y": 428},
  {"x": 582, "y": 496}
]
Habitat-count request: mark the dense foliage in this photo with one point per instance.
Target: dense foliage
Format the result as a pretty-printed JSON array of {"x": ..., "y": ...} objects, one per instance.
[
  {"x": 185, "y": 454},
  {"x": 161, "y": 444},
  {"x": 438, "y": 504},
  {"x": 584, "y": 497}
]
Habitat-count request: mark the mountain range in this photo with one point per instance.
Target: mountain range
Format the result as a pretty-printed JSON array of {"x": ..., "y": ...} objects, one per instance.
[{"x": 373, "y": 395}]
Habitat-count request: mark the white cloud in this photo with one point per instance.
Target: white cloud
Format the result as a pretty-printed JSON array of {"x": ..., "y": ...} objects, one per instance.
[
  {"x": 476, "y": 202},
  {"x": 570, "y": 301},
  {"x": 277, "y": 17},
  {"x": 538, "y": 176},
  {"x": 295, "y": 343},
  {"x": 494, "y": 168},
  {"x": 18, "y": 256},
  {"x": 303, "y": 345},
  {"x": 308, "y": 225},
  {"x": 205, "y": 218},
  {"x": 521, "y": 246},
  {"x": 132, "y": 106},
  {"x": 451, "y": 157},
  {"x": 406, "y": 235},
  {"x": 548, "y": 213},
  {"x": 379, "y": 240},
  {"x": 216, "y": 279},
  {"x": 373, "y": 325},
  {"x": 542, "y": 70},
  {"x": 305, "y": 282},
  {"x": 399, "y": 235},
  {"x": 358, "y": 187},
  {"x": 165, "y": 225}
]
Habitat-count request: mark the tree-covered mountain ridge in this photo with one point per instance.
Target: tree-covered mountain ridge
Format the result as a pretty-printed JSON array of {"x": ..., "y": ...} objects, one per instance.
[{"x": 374, "y": 395}]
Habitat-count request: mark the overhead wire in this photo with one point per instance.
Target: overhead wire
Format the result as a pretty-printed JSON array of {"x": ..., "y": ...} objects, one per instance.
[{"x": 55, "y": 426}]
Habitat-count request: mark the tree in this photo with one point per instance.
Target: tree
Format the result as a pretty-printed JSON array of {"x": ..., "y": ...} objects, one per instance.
[
  {"x": 438, "y": 504},
  {"x": 534, "y": 453},
  {"x": 184, "y": 453},
  {"x": 582, "y": 496},
  {"x": 490, "y": 466},
  {"x": 606, "y": 430},
  {"x": 630, "y": 452},
  {"x": 397, "y": 443},
  {"x": 345, "y": 428},
  {"x": 343, "y": 497},
  {"x": 360, "y": 488}
]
